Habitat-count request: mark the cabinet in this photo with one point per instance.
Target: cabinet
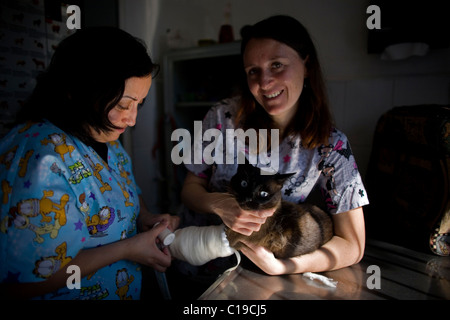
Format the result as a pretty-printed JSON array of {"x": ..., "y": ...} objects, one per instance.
[{"x": 194, "y": 80}]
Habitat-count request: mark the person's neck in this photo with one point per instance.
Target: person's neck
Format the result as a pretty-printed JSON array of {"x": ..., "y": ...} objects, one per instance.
[{"x": 282, "y": 121}]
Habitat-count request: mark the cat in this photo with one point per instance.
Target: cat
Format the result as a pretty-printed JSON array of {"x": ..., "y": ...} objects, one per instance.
[{"x": 293, "y": 230}]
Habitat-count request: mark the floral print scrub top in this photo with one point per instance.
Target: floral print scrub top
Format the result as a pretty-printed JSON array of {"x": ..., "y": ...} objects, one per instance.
[
  {"x": 329, "y": 170},
  {"x": 59, "y": 197}
]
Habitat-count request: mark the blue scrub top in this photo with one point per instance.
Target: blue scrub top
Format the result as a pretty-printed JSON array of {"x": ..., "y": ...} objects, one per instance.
[{"x": 58, "y": 196}]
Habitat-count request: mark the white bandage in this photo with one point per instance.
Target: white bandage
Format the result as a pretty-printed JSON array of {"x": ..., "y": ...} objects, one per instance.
[{"x": 198, "y": 245}]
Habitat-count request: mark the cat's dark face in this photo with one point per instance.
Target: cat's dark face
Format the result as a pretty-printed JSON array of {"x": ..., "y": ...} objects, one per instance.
[{"x": 254, "y": 191}]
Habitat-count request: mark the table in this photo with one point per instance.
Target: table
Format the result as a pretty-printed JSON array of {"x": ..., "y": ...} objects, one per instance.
[{"x": 386, "y": 271}]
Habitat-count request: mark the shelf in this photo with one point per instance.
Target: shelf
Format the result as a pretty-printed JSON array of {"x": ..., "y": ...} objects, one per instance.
[
  {"x": 200, "y": 76},
  {"x": 194, "y": 80}
]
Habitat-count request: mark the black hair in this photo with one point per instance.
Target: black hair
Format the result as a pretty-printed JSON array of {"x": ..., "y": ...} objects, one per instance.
[{"x": 86, "y": 79}]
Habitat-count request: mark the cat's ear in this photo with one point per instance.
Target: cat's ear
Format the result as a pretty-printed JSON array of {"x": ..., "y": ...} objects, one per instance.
[
  {"x": 282, "y": 177},
  {"x": 246, "y": 165},
  {"x": 247, "y": 162}
]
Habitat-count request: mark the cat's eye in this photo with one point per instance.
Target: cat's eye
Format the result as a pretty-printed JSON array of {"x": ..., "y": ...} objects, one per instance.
[
  {"x": 263, "y": 194},
  {"x": 244, "y": 184}
]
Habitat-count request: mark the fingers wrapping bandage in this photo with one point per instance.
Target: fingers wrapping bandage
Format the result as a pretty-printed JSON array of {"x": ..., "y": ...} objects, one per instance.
[{"x": 198, "y": 245}]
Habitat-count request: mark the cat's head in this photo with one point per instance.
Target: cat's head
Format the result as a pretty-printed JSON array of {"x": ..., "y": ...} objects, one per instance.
[{"x": 254, "y": 191}]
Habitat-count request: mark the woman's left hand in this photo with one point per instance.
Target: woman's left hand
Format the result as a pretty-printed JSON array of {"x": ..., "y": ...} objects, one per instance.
[
  {"x": 264, "y": 259},
  {"x": 344, "y": 249}
]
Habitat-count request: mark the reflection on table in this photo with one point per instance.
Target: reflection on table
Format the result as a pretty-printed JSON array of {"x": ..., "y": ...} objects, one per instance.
[{"x": 399, "y": 273}]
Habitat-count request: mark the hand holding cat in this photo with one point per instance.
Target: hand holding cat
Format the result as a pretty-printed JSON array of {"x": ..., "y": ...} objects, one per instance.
[
  {"x": 242, "y": 221},
  {"x": 197, "y": 197},
  {"x": 264, "y": 259}
]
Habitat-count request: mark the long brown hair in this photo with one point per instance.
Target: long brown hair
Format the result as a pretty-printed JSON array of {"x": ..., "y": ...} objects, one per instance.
[{"x": 313, "y": 120}]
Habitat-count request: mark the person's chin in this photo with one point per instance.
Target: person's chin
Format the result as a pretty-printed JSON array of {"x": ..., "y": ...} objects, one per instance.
[
  {"x": 117, "y": 133},
  {"x": 112, "y": 137},
  {"x": 275, "y": 110}
]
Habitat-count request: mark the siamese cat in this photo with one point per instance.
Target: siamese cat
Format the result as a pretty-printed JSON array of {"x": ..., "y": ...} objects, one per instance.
[{"x": 293, "y": 230}]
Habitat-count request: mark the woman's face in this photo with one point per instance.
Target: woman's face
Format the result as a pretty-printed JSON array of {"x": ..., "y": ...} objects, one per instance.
[
  {"x": 124, "y": 114},
  {"x": 275, "y": 76}
]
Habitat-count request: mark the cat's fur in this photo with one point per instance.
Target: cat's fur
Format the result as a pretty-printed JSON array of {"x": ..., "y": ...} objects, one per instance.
[{"x": 293, "y": 230}]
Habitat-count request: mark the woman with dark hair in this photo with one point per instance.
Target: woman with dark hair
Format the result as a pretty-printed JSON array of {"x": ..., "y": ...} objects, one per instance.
[
  {"x": 71, "y": 207},
  {"x": 285, "y": 91}
]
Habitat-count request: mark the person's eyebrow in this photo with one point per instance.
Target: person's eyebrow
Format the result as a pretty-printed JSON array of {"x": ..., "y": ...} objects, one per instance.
[
  {"x": 129, "y": 97},
  {"x": 272, "y": 59},
  {"x": 135, "y": 99}
]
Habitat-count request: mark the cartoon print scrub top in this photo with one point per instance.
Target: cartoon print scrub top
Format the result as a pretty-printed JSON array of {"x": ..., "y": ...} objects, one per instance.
[
  {"x": 329, "y": 171},
  {"x": 58, "y": 197}
]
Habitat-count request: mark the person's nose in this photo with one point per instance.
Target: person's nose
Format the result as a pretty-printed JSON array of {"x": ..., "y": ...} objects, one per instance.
[
  {"x": 265, "y": 80},
  {"x": 130, "y": 117}
]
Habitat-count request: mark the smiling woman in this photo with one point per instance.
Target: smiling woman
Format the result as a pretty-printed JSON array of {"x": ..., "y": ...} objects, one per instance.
[
  {"x": 286, "y": 47},
  {"x": 284, "y": 91},
  {"x": 275, "y": 76}
]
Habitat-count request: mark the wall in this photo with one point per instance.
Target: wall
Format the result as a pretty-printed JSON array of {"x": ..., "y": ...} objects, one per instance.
[
  {"x": 140, "y": 18},
  {"x": 361, "y": 86},
  {"x": 29, "y": 31}
]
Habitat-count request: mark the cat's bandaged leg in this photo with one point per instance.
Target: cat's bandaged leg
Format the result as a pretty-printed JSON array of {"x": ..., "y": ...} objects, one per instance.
[{"x": 199, "y": 245}]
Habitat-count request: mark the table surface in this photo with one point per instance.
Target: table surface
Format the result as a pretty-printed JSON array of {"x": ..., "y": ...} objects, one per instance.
[{"x": 403, "y": 274}]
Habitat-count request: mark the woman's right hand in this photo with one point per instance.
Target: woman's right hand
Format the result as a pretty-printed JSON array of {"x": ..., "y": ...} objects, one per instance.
[
  {"x": 196, "y": 197},
  {"x": 237, "y": 219},
  {"x": 143, "y": 248}
]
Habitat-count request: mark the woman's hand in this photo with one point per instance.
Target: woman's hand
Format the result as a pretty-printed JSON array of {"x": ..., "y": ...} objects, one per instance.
[
  {"x": 242, "y": 221},
  {"x": 197, "y": 198},
  {"x": 344, "y": 249},
  {"x": 264, "y": 259},
  {"x": 143, "y": 248}
]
